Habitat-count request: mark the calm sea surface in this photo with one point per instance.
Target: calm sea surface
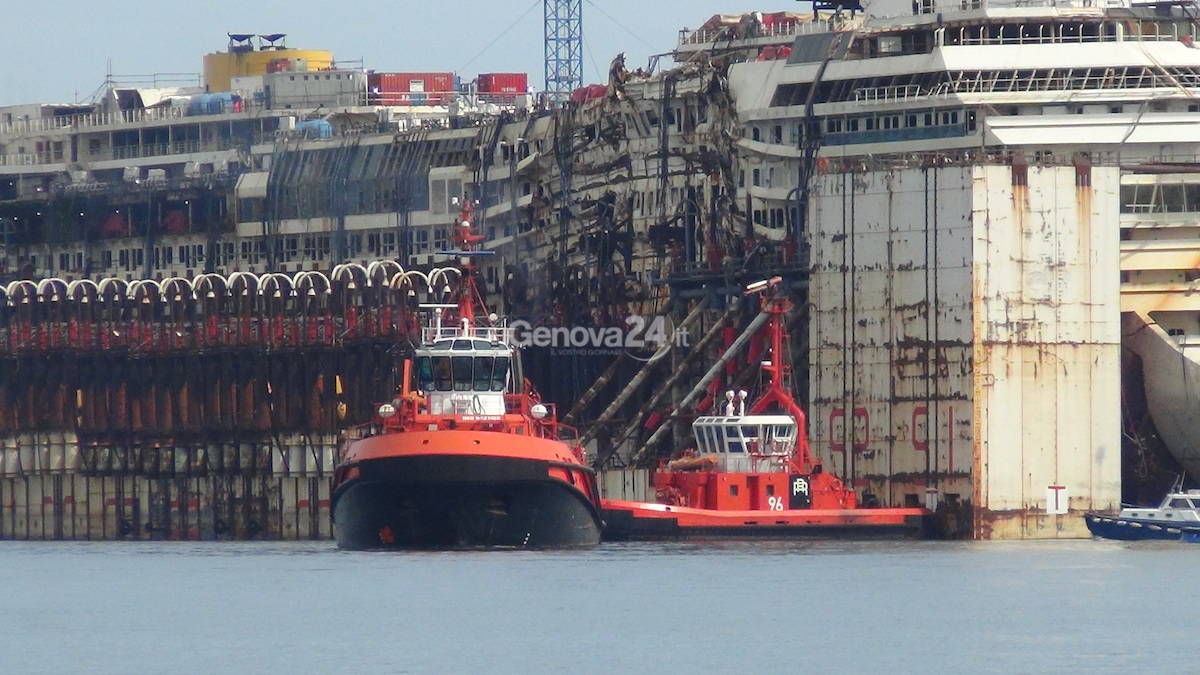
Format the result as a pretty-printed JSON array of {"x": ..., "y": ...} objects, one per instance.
[{"x": 720, "y": 607}]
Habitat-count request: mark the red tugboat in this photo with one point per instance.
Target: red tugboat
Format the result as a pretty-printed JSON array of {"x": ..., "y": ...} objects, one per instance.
[
  {"x": 752, "y": 472},
  {"x": 466, "y": 455}
]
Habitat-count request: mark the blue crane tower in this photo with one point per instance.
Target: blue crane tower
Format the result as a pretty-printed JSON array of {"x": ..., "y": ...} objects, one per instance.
[{"x": 564, "y": 47}]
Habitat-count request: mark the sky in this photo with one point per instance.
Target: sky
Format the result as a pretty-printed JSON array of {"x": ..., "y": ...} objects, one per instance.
[{"x": 59, "y": 50}]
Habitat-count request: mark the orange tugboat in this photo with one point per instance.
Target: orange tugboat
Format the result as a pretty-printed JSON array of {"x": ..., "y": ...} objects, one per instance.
[
  {"x": 466, "y": 455},
  {"x": 752, "y": 473}
]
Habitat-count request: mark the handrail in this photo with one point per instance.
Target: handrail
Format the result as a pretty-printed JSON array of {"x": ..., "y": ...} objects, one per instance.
[
  {"x": 778, "y": 30},
  {"x": 125, "y": 118}
]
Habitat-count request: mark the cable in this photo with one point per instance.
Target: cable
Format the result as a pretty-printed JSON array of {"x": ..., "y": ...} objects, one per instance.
[
  {"x": 601, "y": 76},
  {"x": 619, "y": 24},
  {"x": 500, "y": 35}
]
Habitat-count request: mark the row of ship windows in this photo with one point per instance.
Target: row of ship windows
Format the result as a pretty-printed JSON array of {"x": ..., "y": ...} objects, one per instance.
[
  {"x": 1160, "y": 198},
  {"x": 288, "y": 249},
  {"x": 251, "y": 252},
  {"x": 835, "y": 125},
  {"x": 292, "y": 78},
  {"x": 127, "y": 259},
  {"x": 774, "y": 219},
  {"x": 908, "y": 86},
  {"x": 886, "y": 121},
  {"x": 71, "y": 265}
]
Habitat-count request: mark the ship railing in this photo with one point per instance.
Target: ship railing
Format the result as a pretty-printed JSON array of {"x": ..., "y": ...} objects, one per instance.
[
  {"x": 776, "y": 261},
  {"x": 122, "y": 118},
  {"x": 173, "y": 148},
  {"x": 517, "y": 404},
  {"x": 889, "y": 94},
  {"x": 498, "y": 334},
  {"x": 738, "y": 32},
  {"x": 952, "y": 7},
  {"x": 93, "y": 120},
  {"x": 1000, "y": 155},
  {"x": 522, "y": 404},
  {"x": 31, "y": 158},
  {"x": 361, "y": 431},
  {"x": 988, "y": 34}
]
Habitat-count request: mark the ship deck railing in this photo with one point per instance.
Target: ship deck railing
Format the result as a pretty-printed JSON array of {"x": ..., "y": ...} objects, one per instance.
[
  {"x": 953, "y": 7},
  {"x": 734, "y": 33},
  {"x": 499, "y": 334},
  {"x": 889, "y": 94},
  {"x": 992, "y": 34},
  {"x": 127, "y": 118}
]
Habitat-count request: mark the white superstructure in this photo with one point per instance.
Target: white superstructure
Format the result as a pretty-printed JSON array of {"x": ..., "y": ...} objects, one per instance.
[{"x": 989, "y": 186}]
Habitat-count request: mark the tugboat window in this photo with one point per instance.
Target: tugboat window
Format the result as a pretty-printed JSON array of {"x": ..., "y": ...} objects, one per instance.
[
  {"x": 483, "y": 373},
  {"x": 500, "y": 374},
  {"x": 425, "y": 373},
  {"x": 441, "y": 371},
  {"x": 736, "y": 444},
  {"x": 462, "y": 373}
]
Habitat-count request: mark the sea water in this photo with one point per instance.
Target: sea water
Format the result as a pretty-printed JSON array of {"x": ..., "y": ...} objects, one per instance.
[{"x": 696, "y": 606}]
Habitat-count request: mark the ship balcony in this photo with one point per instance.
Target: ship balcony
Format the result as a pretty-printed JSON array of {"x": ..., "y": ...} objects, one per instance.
[
  {"x": 32, "y": 159},
  {"x": 173, "y": 148}
]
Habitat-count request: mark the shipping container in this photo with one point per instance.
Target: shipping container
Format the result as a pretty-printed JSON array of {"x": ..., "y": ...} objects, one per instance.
[
  {"x": 503, "y": 83},
  {"x": 411, "y": 88}
]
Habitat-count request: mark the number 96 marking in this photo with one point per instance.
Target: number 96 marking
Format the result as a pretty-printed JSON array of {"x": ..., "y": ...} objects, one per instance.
[{"x": 774, "y": 503}]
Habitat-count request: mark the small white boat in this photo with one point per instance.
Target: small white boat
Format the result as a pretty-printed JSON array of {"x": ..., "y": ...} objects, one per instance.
[{"x": 1176, "y": 518}]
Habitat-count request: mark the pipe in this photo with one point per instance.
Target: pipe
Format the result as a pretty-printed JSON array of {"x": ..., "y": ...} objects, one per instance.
[
  {"x": 667, "y": 386},
  {"x": 734, "y": 348},
  {"x": 599, "y": 384},
  {"x": 641, "y": 376}
]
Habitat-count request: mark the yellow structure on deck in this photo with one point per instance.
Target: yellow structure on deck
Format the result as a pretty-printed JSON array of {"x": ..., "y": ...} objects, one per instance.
[{"x": 221, "y": 67}]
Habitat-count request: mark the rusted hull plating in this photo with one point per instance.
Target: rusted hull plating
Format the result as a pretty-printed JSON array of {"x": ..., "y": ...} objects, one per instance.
[{"x": 965, "y": 341}]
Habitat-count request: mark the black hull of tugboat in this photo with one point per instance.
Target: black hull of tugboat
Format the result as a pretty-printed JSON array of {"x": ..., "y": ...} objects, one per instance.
[{"x": 452, "y": 501}]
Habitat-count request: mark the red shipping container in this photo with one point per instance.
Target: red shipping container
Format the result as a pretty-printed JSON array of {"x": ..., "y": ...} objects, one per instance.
[
  {"x": 412, "y": 88},
  {"x": 503, "y": 83}
]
